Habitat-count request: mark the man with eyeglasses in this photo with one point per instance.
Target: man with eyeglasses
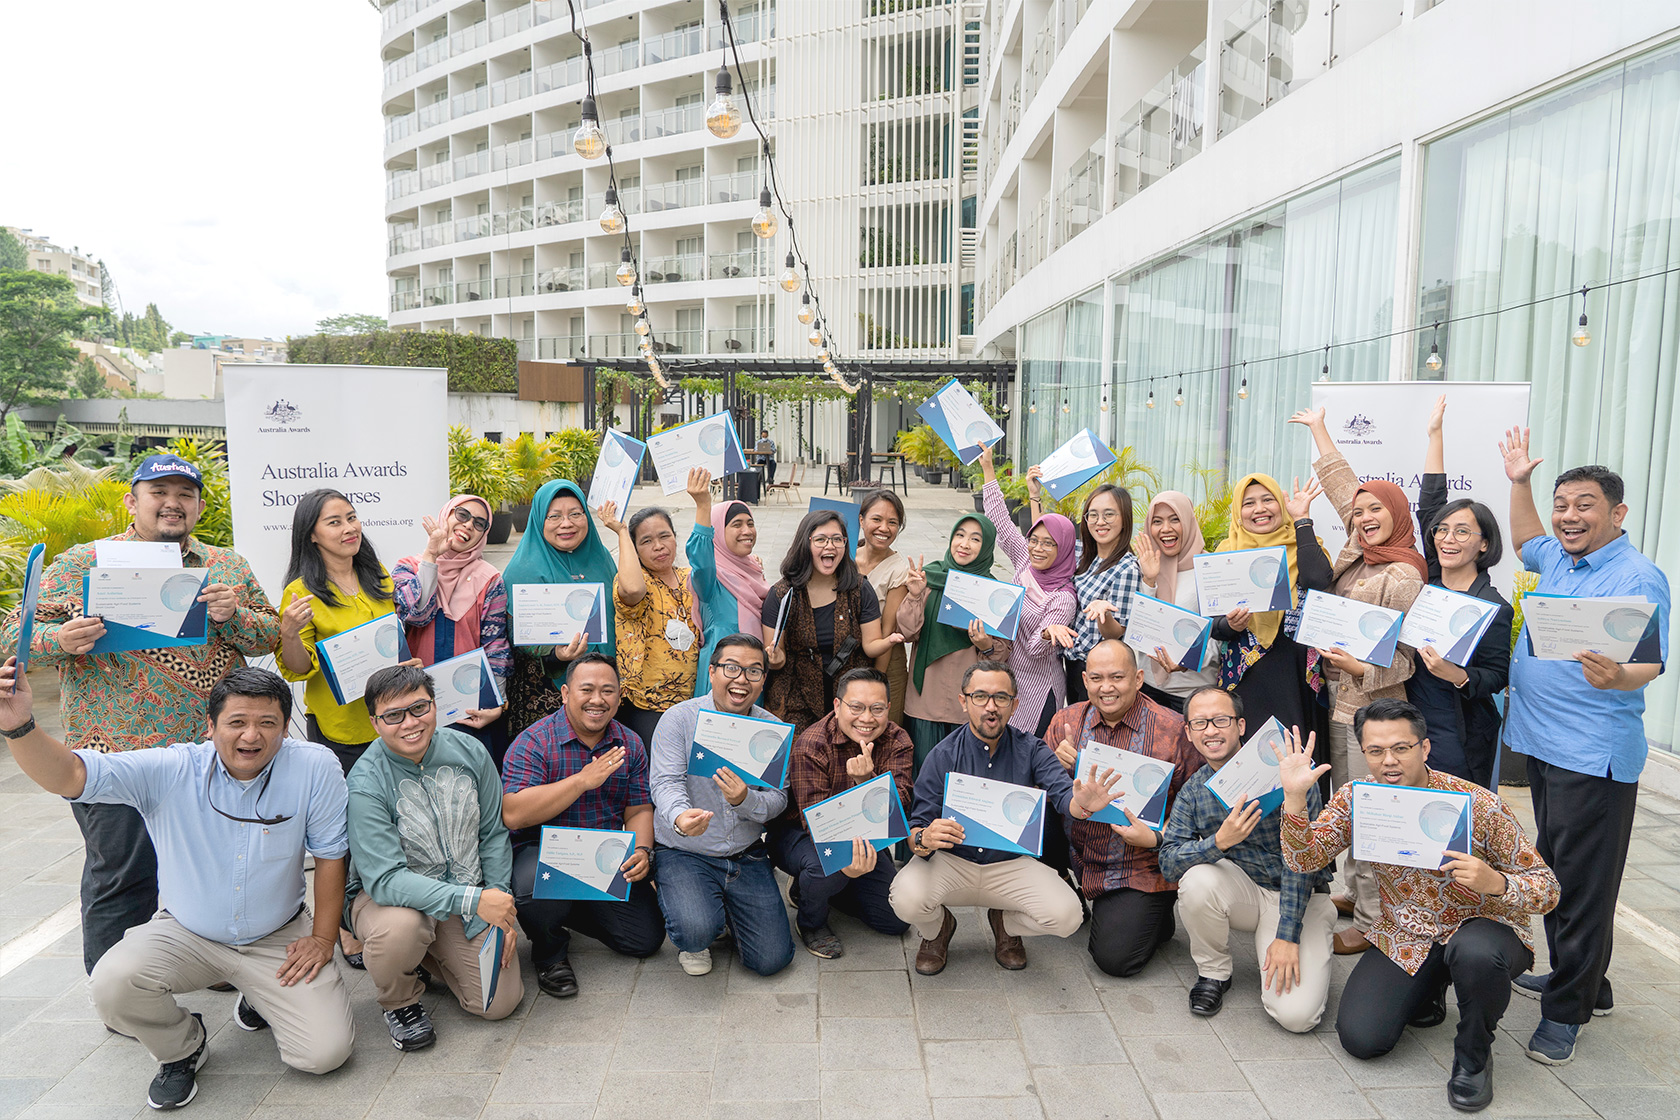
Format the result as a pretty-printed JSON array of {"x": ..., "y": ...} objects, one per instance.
[
  {"x": 849, "y": 746},
  {"x": 713, "y": 866},
  {"x": 1231, "y": 875},
  {"x": 231, "y": 818},
  {"x": 433, "y": 868},
  {"x": 1466, "y": 925}
]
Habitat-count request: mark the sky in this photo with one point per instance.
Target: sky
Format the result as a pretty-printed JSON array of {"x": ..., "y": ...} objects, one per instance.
[{"x": 222, "y": 157}]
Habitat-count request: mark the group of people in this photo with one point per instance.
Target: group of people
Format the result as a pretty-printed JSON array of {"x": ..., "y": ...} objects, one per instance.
[{"x": 425, "y": 839}]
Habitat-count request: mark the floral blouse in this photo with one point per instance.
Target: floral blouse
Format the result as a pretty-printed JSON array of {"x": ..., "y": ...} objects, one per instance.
[{"x": 658, "y": 643}]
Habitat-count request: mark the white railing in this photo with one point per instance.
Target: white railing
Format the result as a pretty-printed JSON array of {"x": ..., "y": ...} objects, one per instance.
[
  {"x": 673, "y": 44},
  {"x": 673, "y": 196},
  {"x": 673, "y": 121},
  {"x": 673, "y": 269}
]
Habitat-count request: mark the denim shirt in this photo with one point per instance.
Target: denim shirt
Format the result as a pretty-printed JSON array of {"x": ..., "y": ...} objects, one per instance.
[{"x": 1021, "y": 759}]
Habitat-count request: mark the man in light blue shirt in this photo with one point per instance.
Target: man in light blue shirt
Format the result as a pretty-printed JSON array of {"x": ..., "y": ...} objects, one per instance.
[
  {"x": 712, "y": 866},
  {"x": 1581, "y": 724},
  {"x": 231, "y": 819}
]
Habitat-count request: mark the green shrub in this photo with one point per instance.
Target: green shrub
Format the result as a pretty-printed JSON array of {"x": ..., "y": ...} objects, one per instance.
[{"x": 475, "y": 364}]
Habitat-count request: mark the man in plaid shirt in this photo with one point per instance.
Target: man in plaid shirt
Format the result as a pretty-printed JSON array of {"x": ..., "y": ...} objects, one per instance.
[{"x": 1230, "y": 871}]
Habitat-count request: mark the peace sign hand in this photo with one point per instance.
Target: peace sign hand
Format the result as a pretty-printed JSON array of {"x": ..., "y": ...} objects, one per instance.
[
  {"x": 1300, "y": 501},
  {"x": 916, "y": 582},
  {"x": 1514, "y": 450}
]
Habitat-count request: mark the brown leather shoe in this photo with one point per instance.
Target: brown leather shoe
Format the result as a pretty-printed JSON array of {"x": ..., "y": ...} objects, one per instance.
[
  {"x": 930, "y": 958},
  {"x": 1343, "y": 905},
  {"x": 1351, "y": 942},
  {"x": 1010, "y": 953}
]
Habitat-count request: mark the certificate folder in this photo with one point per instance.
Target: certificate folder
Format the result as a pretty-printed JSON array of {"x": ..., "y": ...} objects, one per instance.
[
  {"x": 1613, "y": 626},
  {"x": 1014, "y": 815},
  {"x": 970, "y": 598},
  {"x": 176, "y": 591},
  {"x": 957, "y": 418},
  {"x": 360, "y": 652},
  {"x": 490, "y": 963},
  {"x": 1364, "y": 630},
  {"x": 872, "y": 810},
  {"x": 464, "y": 683},
  {"x": 757, "y": 750},
  {"x": 30, "y": 595},
  {"x": 1143, "y": 786},
  {"x": 1408, "y": 826},
  {"x": 1253, "y": 578},
  {"x": 1075, "y": 463},
  {"x": 583, "y": 863},
  {"x": 1449, "y": 622}
]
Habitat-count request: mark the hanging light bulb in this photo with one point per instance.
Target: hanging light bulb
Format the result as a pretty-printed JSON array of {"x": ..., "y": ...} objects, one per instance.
[
  {"x": 789, "y": 279},
  {"x": 1178, "y": 398},
  {"x": 626, "y": 271},
  {"x": 642, "y": 327},
  {"x": 764, "y": 222},
  {"x": 612, "y": 218},
  {"x": 1065, "y": 408},
  {"x": 807, "y": 313},
  {"x": 1103, "y": 409},
  {"x": 723, "y": 116},
  {"x": 1150, "y": 403},
  {"x": 1433, "y": 362},
  {"x": 634, "y": 304},
  {"x": 589, "y": 141},
  {"x": 1033, "y": 408},
  {"x": 815, "y": 338},
  {"x": 1582, "y": 335},
  {"x": 1006, "y": 408},
  {"x": 1242, "y": 393}
]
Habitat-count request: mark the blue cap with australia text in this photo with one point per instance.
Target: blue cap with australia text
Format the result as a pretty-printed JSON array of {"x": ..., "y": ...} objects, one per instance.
[{"x": 154, "y": 467}]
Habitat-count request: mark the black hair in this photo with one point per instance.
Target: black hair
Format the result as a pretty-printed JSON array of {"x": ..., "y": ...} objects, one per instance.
[
  {"x": 591, "y": 658},
  {"x": 743, "y": 641},
  {"x": 258, "y": 684},
  {"x": 1384, "y": 711},
  {"x": 1088, "y": 551},
  {"x": 734, "y": 510},
  {"x": 306, "y": 563},
  {"x": 866, "y": 675},
  {"x": 1486, "y": 523},
  {"x": 644, "y": 514},
  {"x": 797, "y": 565},
  {"x": 988, "y": 667},
  {"x": 1608, "y": 481},
  {"x": 883, "y": 495},
  {"x": 1236, "y": 701},
  {"x": 397, "y": 680}
]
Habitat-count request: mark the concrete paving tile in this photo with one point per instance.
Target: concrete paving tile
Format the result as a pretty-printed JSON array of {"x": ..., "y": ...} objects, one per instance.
[
  {"x": 763, "y": 1110},
  {"x": 963, "y": 1014},
  {"x": 800, "y": 975},
  {"x": 685, "y": 1045},
  {"x": 987, "y": 1108},
  {"x": 870, "y": 1044},
  {"x": 545, "y": 1110},
  {"x": 1628, "y": 1102},
  {"x": 770, "y": 1071},
  {"x": 50, "y": 1049},
  {"x": 466, "y": 1044},
  {"x": 752, "y": 1017},
  {"x": 40, "y": 1111},
  {"x": 1092, "y": 1093},
  {"x": 42, "y": 976},
  {"x": 1079, "y": 1039},
  {"x": 964, "y": 972},
  {"x": 18, "y": 1093},
  {"x": 447, "y": 1096},
  {"x": 663, "y": 994},
  {"x": 112, "y": 1077},
  {"x": 1249, "y": 1034},
  {"x": 639, "y": 1096},
  {"x": 1601, "y": 1061},
  {"x": 1317, "y": 1088},
  {"x": 1183, "y": 1064},
  {"x": 14, "y": 1012},
  {"x": 1648, "y": 1035},
  {"x": 270, "y": 1111},
  {"x": 352, "y": 1086},
  {"x": 564, "y": 1074},
  {"x": 1033, "y": 991},
  {"x": 75, "y": 1005},
  {"x": 868, "y": 995},
  {"x": 976, "y": 1068},
  {"x": 874, "y": 1095},
  {"x": 590, "y": 1017},
  {"x": 606, "y": 971},
  {"x": 1153, "y": 1012},
  {"x": 1408, "y": 1065},
  {"x": 223, "y": 1096},
  {"x": 1160, "y": 971},
  {"x": 1201, "y": 1106},
  {"x": 866, "y": 950}
]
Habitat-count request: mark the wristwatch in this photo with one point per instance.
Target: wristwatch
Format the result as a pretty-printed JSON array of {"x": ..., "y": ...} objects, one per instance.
[{"x": 20, "y": 731}]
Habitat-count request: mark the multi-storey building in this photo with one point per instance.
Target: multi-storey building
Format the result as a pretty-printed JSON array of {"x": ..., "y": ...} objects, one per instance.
[{"x": 46, "y": 257}]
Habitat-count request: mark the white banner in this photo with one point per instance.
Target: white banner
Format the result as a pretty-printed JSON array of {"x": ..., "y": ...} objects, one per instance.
[
  {"x": 1382, "y": 428},
  {"x": 374, "y": 433}
]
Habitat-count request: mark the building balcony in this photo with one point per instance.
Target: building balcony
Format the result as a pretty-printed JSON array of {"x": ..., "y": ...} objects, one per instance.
[
  {"x": 672, "y": 196},
  {"x": 470, "y": 291},
  {"x": 741, "y": 340},
  {"x": 673, "y": 269},
  {"x": 552, "y": 280},
  {"x": 556, "y": 347},
  {"x": 742, "y": 186},
  {"x": 560, "y": 213},
  {"x": 673, "y": 44},
  {"x": 512, "y": 287},
  {"x": 406, "y": 300},
  {"x": 741, "y": 262},
  {"x": 436, "y": 295},
  {"x": 673, "y": 121}
]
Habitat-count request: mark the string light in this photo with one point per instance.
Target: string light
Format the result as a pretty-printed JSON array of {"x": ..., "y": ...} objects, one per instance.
[
  {"x": 643, "y": 328},
  {"x": 612, "y": 218},
  {"x": 634, "y": 305},
  {"x": 1065, "y": 408},
  {"x": 723, "y": 116},
  {"x": 1033, "y": 408},
  {"x": 1433, "y": 363},
  {"x": 764, "y": 222},
  {"x": 807, "y": 313},
  {"x": 1582, "y": 336},
  {"x": 1178, "y": 398},
  {"x": 815, "y": 338},
  {"x": 790, "y": 276},
  {"x": 626, "y": 271},
  {"x": 589, "y": 141},
  {"x": 1104, "y": 407}
]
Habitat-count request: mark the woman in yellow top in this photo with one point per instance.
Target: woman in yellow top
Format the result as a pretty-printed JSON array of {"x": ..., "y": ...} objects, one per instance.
[{"x": 658, "y": 636}]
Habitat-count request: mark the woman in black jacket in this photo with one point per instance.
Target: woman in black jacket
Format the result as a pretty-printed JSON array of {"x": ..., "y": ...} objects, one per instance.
[{"x": 1462, "y": 542}]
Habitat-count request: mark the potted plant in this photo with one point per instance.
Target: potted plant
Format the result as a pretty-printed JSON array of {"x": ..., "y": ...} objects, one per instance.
[
  {"x": 575, "y": 451},
  {"x": 530, "y": 464},
  {"x": 478, "y": 466}
]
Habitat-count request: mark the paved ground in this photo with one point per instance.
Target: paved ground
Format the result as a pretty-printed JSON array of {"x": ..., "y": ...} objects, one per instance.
[{"x": 857, "y": 1037}]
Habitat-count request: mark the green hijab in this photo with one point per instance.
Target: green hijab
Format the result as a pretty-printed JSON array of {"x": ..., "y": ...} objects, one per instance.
[
  {"x": 938, "y": 638},
  {"x": 537, "y": 561}
]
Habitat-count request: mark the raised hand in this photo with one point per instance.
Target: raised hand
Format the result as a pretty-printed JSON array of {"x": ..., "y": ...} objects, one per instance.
[
  {"x": 1300, "y": 501},
  {"x": 1148, "y": 555},
  {"x": 1095, "y": 790},
  {"x": 1067, "y": 754},
  {"x": 608, "y": 513},
  {"x": 1514, "y": 450},
  {"x": 915, "y": 584},
  {"x": 1312, "y": 418},
  {"x": 1437, "y": 416},
  {"x": 699, "y": 483},
  {"x": 1035, "y": 485},
  {"x": 297, "y": 614},
  {"x": 862, "y": 767},
  {"x": 1296, "y": 771},
  {"x": 1098, "y": 609},
  {"x": 436, "y": 537}
]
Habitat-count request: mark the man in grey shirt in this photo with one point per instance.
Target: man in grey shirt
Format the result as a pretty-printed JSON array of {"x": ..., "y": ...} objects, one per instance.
[
  {"x": 713, "y": 867},
  {"x": 765, "y": 451}
]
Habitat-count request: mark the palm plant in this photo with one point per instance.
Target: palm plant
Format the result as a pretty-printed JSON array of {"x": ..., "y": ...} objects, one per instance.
[
  {"x": 477, "y": 466},
  {"x": 1213, "y": 512},
  {"x": 57, "y": 507},
  {"x": 530, "y": 464},
  {"x": 1128, "y": 472},
  {"x": 575, "y": 451}
]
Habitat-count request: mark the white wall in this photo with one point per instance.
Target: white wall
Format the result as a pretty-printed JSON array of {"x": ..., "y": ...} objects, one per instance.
[{"x": 498, "y": 412}]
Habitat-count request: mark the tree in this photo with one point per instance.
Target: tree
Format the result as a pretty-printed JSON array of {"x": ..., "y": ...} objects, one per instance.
[
  {"x": 154, "y": 328},
  {"x": 90, "y": 379},
  {"x": 11, "y": 252},
  {"x": 39, "y": 314},
  {"x": 350, "y": 324},
  {"x": 179, "y": 337}
]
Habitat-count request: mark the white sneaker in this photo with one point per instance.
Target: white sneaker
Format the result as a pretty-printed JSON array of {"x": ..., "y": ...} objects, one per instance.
[{"x": 696, "y": 964}]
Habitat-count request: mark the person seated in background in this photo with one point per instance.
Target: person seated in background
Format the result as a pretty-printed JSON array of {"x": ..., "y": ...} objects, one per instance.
[
  {"x": 847, "y": 747},
  {"x": 581, "y": 768},
  {"x": 1230, "y": 872},
  {"x": 433, "y": 868},
  {"x": 765, "y": 452}
]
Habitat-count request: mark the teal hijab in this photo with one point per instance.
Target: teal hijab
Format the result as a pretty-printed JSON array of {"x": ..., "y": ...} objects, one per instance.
[{"x": 537, "y": 561}]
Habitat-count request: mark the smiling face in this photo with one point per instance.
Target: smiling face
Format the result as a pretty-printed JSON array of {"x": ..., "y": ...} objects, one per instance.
[
  {"x": 740, "y": 534},
  {"x": 1102, "y": 519},
  {"x": 410, "y": 737},
  {"x": 248, "y": 734},
  {"x": 828, "y": 547},
  {"x": 338, "y": 531},
  {"x": 1112, "y": 679},
  {"x": 988, "y": 715},
  {"x": 1167, "y": 530},
  {"x": 880, "y": 524},
  {"x": 591, "y": 695},
  {"x": 967, "y": 542},
  {"x": 1216, "y": 744},
  {"x": 656, "y": 544},
  {"x": 566, "y": 524},
  {"x": 164, "y": 510},
  {"x": 465, "y": 532},
  {"x": 1410, "y": 767},
  {"x": 1461, "y": 545},
  {"x": 862, "y": 711},
  {"x": 1583, "y": 518},
  {"x": 736, "y": 694},
  {"x": 1371, "y": 522},
  {"x": 1261, "y": 512},
  {"x": 1041, "y": 549}
]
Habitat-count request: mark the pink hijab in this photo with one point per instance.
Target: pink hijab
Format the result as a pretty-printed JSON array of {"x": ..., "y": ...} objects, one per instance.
[
  {"x": 1189, "y": 537},
  {"x": 740, "y": 574},
  {"x": 1042, "y": 585},
  {"x": 462, "y": 576}
]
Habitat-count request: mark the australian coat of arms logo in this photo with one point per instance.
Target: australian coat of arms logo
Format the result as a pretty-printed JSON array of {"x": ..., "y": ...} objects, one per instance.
[
  {"x": 281, "y": 412},
  {"x": 1359, "y": 425}
]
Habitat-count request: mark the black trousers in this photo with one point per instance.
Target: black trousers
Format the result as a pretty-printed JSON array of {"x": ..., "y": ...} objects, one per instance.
[
  {"x": 1584, "y": 824},
  {"x": 1127, "y": 926},
  {"x": 1479, "y": 961},
  {"x": 1076, "y": 681},
  {"x": 864, "y": 898},
  {"x": 348, "y": 754},
  {"x": 119, "y": 876},
  {"x": 635, "y": 927}
]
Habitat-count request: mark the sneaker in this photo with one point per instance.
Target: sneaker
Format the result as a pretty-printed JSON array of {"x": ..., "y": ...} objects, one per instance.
[
  {"x": 1553, "y": 1043},
  {"x": 411, "y": 1028},
  {"x": 822, "y": 942},
  {"x": 1532, "y": 986},
  {"x": 176, "y": 1082},
  {"x": 696, "y": 964},
  {"x": 247, "y": 1017}
]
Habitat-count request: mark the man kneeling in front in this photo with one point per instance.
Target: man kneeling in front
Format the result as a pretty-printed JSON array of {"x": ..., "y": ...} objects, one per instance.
[{"x": 231, "y": 819}]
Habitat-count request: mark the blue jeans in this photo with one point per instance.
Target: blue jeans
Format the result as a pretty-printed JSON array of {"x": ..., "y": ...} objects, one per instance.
[{"x": 700, "y": 893}]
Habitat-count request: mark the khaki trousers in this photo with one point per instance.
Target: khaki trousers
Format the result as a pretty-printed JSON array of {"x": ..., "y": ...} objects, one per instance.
[
  {"x": 1215, "y": 898},
  {"x": 135, "y": 982},
  {"x": 1347, "y": 764},
  {"x": 395, "y": 940},
  {"x": 1034, "y": 900}
]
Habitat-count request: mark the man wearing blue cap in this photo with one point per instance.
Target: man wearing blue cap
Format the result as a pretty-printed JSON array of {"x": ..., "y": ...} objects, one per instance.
[{"x": 144, "y": 697}]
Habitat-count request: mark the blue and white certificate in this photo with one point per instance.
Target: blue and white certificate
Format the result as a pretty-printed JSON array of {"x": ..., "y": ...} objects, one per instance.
[
  {"x": 490, "y": 963},
  {"x": 147, "y": 608},
  {"x": 756, "y": 749},
  {"x": 958, "y": 419},
  {"x": 348, "y": 659},
  {"x": 848, "y": 514},
  {"x": 1252, "y": 772},
  {"x": 998, "y": 815},
  {"x": 109, "y": 553},
  {"x": 1142, "y": 789},
  {"x": 1365, "y": 630},
  {"x": 27, "y": 599},
  {"x": 583, "y": 863},
  {"x": 616, "y": 470},
  {"x": 464, "y": 684},
  {"x": 872, "y": 811},
  {"x": 1448, "y": 622},
  {"x": 1408, "y": 826},
  {"x": 552, "y": 614},
  {"x": 709, "y": 442},
  {"x": 1156, "y": 622},
  {"x": 1622, "y": 629},
  {"x": 968, "y": 597},
  {"x": 1075, "y": 463},
  {"x": 1254, "y": 578}
]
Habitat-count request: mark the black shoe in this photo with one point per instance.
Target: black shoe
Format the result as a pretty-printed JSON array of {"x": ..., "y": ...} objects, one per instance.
[
  {"x": 1470, "y": 1092},
  {"x": 354, "y": 960},
  {"x": 176, "y": 1083},
  {"x": 248, "y": 1018},
  {"x": 1208, "y": 996},
  {"x": 427, "y": 980},
  {"x": 558, "y": 980},
  {"x": 1431, "y": 1014},
  {"x": 411, "y": 1027},
  {"x": 222, "y": 986}
]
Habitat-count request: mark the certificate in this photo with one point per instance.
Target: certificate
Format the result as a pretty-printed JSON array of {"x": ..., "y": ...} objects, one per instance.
[
  {"x": 552, "y": 614},
  {"x": 872, "y": 811},
  {"x": 998, "y": 815},
  {"x": 1448, "y": 622},
  {"x": 464, "y": 684},
  {"x": 848, "y": 514},
  {"x": 756, "y": 749},
  {"x": 1561, "y": 626},
  {"x": 616, "y": 470},
  {"x": 709, "y": 442},
  {"x": 1365, "y": 630},
  {"x": 136, "y": 554},
  {"x": 1255, "y": 578},
  {"x": 1142, "y": 788},
  {"x": 1253, "y": 771},
  {"x": 1156, "y": 622},
  {"x": 30, "y": 595},
  {"x": 490, "y": 963},
  {"x": 996, "y": 605},
  {"x": 350, "y": 658},
  {"x": 959, "y": 420},
  {"x": 1075, "y": 463},
  {"x": 1408, "y": 826},
  {"x": 583, "y": 863},
  {"x": 147, "y": 608}
]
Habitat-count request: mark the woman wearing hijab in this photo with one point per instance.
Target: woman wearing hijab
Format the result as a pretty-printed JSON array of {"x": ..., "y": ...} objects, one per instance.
[
  {"x": 453, "y": 601},
  {"x": 880, "y": 520},
  {"x": 1380, "y": 564},
  {"x": 565, "y": 549},
  {"x": 944, "y": 652},
  {"x": 1166, "y": 557},
  {"x": 728, "y": 578}
]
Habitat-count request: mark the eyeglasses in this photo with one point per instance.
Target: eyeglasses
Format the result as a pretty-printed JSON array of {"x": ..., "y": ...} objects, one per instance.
[
  {"x": 733, "y": 671},
  {"x": 465, "y": 517},
  {"x": 262, "y": 789},
  {"x": 858, "y": 709},
  {"x": 1398, "y": 750},
  {"x": 824, "y": 542},
  {"x": 395, "y": 717},
  {"x": 1039, "y": 544},
  {"x": 1211, "y": 721},
  {"x": 1456, "y": 532},
  {"x": 989, "y": 699},
  {"x": 556, "y": 516},
  {"x": 1101, "y": 515}
]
